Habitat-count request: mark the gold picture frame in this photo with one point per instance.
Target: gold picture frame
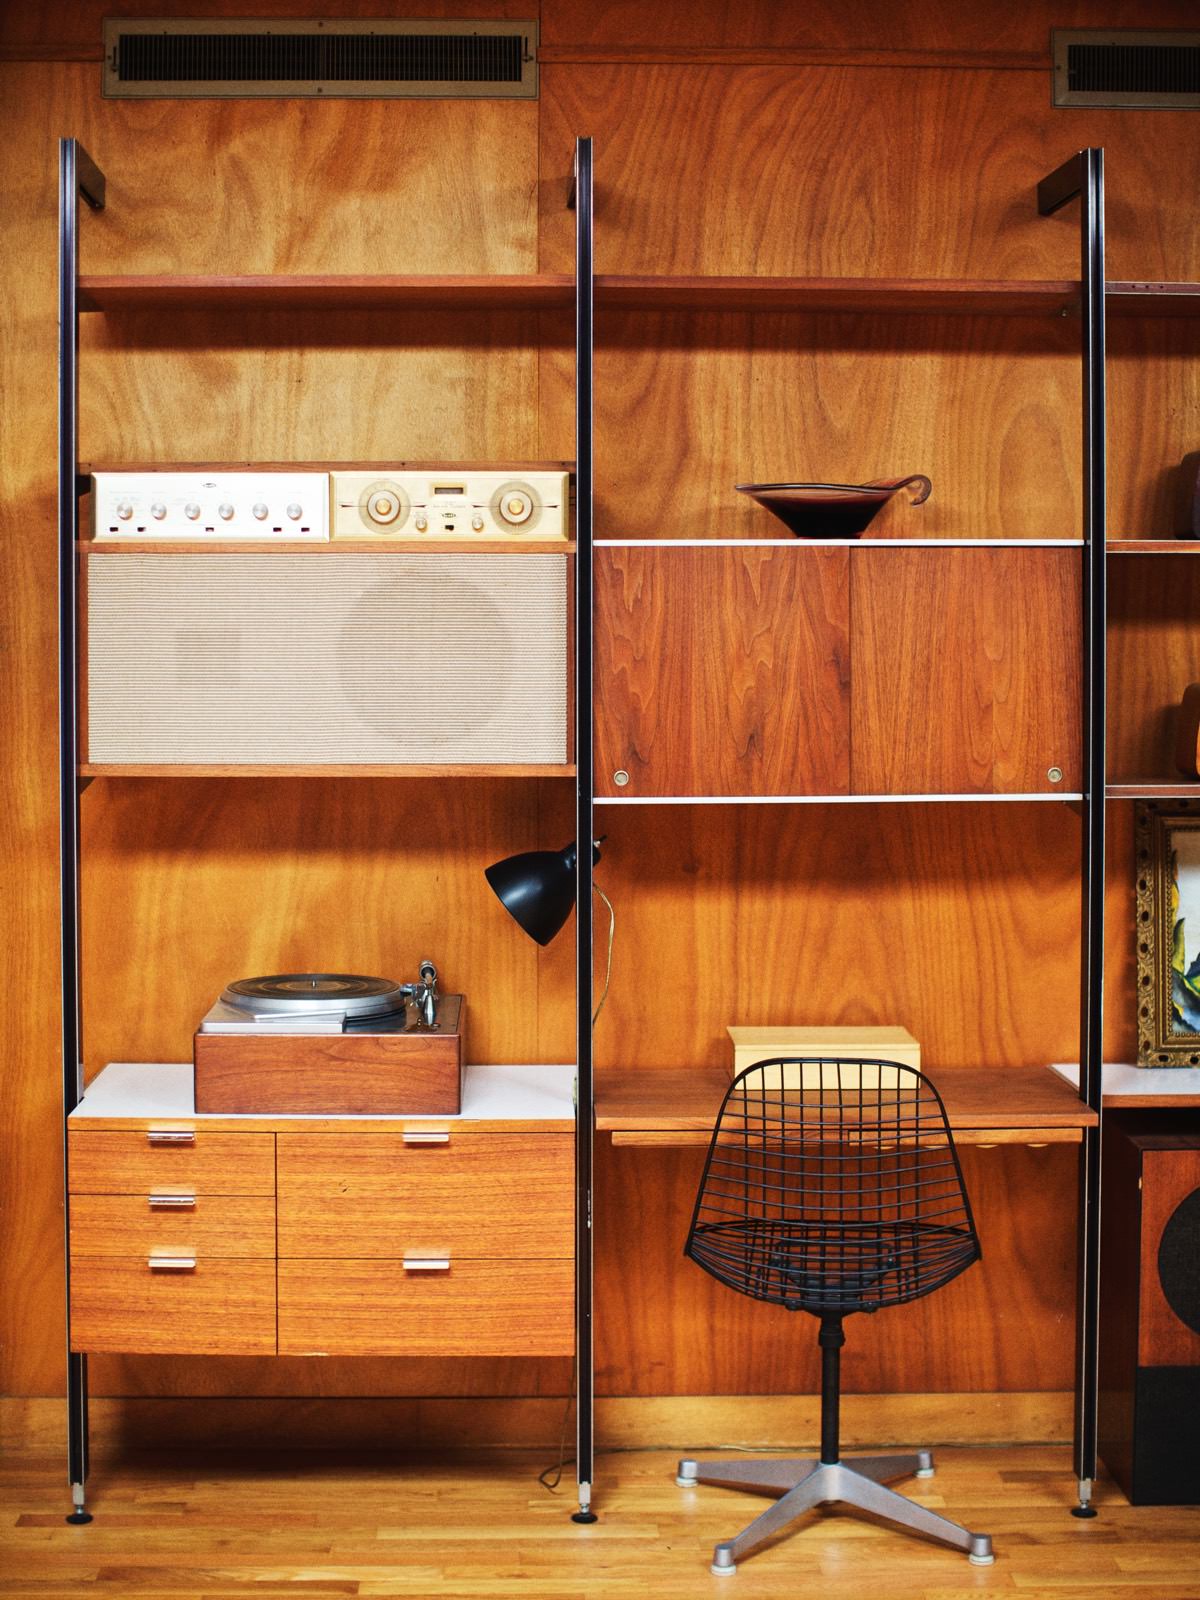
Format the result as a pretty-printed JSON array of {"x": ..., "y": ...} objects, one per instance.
[{"x": 1167, "y": 879}]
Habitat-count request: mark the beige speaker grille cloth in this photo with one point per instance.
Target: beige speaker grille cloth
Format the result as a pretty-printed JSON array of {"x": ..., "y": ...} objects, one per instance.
[{"x": 326, "y": 657}]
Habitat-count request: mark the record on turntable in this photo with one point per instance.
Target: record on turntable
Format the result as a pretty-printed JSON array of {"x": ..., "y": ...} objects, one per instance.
[{"x": 331, "y": 1043}]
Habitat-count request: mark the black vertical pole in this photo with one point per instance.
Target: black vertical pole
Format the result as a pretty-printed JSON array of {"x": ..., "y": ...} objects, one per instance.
[
  {"x": 77, "y": 174},
  {"x": 1084, "y": 176},
  {"x": 584, "y": 1114}
]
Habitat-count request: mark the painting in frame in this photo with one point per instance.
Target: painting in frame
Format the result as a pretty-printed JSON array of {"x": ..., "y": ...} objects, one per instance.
[{"x": 1167, "y": 846}]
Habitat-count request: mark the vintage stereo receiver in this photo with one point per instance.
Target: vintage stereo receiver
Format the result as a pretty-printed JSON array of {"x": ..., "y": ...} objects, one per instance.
[
  {"x": 254, "y": 504},
  {"x": 450, "y": 503},
  {"x": 324, "y": 655}
]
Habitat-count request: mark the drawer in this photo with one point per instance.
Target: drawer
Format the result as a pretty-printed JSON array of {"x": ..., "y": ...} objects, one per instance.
[
  {"x": 218, "y": 1308},
  {"x": 497, "y": 1308},
  {"x": 130, "y": 1163},
  {"x": 223, "y": 1226},
  {"x": 497, "y": 1195}
]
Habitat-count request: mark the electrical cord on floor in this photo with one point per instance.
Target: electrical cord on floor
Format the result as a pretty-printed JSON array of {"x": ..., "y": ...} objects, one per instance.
[{"x": 551, "y": 1477}]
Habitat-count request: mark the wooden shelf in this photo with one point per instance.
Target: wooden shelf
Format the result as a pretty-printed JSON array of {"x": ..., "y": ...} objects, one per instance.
[
  {"x": 1153, "y": 789},
  {"x": 276, "y": 292},
  {"x": 1128, "y": 1088},
  {"x": 1153, "y": 547},
  {"x": 1146, "y": 299},
  {"x": 1001, "y": 1105}
]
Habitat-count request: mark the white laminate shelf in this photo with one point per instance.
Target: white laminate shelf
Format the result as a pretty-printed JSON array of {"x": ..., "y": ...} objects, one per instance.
[
  {"x": 1131, "y": 1088},
  {"x": 137, "y": 1092}
]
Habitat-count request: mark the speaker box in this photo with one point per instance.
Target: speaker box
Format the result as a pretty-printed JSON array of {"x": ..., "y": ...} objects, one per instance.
[
  {"x": 325, "y": 657},
  {"x": 1150, "y": 1307}
]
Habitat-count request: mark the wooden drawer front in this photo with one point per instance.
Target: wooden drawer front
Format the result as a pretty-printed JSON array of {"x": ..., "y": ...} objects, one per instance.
[
  {"x": 499, "y": 1308},
  {"x": 219, "y": 1308},
  {"x": 223, "y": 1226},
  {"x": 499, "y": 1195},
  {"x": 127, "y": 1163}
]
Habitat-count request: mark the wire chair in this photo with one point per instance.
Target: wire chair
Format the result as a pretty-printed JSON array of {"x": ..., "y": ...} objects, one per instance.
[{"x": 831, "y": 1187}]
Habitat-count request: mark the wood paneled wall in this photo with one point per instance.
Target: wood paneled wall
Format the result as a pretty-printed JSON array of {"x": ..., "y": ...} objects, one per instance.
[{"x": 829, "y": 139}]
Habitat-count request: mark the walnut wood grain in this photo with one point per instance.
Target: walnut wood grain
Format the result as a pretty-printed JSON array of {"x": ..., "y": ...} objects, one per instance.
[
  {"x": 1169, "y": 1176},
  {"x": 372, "y": 1196},
  {"x": 966, "y": 671},
  {"x": 221, "y": 1307},
  {"x": 479, "y": 1306},
  {"x": 215, "y": 1164},
  {"x": 349, "y": 1074},
  {"x": 1153, "y": 654},
  {"x": 722, "y": 671},
  {"x": 320, "y": 292},
  {"x": 126, "y": 1225}
]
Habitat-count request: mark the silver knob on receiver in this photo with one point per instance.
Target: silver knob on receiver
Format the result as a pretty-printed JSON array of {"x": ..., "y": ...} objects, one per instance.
[
  {"x": 225, "y": 511},
  {"x": 295, "y": 511},
  {"x": 191, "y": 511},
  {"x": 158, "y": 511},
  {"x": 420, "y": 522},
  {"x": 260, "y": 511},
  {"x": 124, "y": 510}
]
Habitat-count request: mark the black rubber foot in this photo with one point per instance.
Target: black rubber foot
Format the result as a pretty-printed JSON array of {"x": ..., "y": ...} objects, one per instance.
[
  {"x": 584, "y": 1516},
  {"x": 79, "y": 1517},
  {"x": 1084, "y": 1511}
]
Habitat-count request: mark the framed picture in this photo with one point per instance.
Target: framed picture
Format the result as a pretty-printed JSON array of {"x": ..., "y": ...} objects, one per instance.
[{"x": 1167, "y": 844}]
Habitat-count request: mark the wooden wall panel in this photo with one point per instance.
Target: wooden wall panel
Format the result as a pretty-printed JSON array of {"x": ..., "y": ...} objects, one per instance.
[
  {"x": 959, "y": 923},
  {"x": 688, "y": 405},
  {"x": 722, "y": 671},
  {"x": 965, "y": 671},
  {"x": 782, "y": 170},
  {"x": 664, "y": 1326},
  {"x": 1154, "y": 653},
  {"x": 1153, "y": 374}
]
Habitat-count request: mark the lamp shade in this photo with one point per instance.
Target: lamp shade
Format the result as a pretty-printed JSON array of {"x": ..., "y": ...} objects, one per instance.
[{"x": 537, "y": 889}]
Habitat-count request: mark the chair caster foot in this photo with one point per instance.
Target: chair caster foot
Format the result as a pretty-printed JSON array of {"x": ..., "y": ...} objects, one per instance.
[
  {"x": 924, "y": 1464},
  {"x": 723, "y": 1564},
  {"x": 924, "y": 1472},
  {"x": 980, "y": 1554},
  {"x": 686, "y": 1473}
]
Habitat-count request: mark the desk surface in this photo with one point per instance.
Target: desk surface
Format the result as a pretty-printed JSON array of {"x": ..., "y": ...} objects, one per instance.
[{"x": 1003, "y": 1105}]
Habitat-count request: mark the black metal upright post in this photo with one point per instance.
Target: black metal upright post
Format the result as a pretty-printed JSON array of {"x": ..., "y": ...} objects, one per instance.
[
  {"x": 1083, "y": 175},
  {"x": 77, "y": 174},
  {"x": 584, "y": 1105}
]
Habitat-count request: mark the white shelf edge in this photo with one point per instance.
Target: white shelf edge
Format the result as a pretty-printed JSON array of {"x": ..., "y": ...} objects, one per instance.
[
  {"x": 1123, "y": 1078},
  {"x": 813, "y": 799},
  {"x": 838, "y": 544}
]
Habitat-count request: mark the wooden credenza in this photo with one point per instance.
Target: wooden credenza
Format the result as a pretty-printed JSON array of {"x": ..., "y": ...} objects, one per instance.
[{"x": 253, "y": 1235}]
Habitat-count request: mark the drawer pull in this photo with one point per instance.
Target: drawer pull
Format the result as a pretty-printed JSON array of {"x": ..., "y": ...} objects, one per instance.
[
  {"x": 171, "y": 1263},
  {"x": 427, "y": 1263},
  {"x": 173, "y": 1202},
  {"x": 426, "y": 1136},
  {"x": 159, "y": 1136}
]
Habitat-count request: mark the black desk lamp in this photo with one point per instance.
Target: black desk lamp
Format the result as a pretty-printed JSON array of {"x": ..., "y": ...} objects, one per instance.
[{"x": 537, "y": 888}]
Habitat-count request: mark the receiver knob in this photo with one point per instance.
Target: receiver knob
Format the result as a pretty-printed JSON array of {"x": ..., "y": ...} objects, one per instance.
[
  {"x": 477, "y": 523},
  {"x": 225, "y": 511},
  {"x": 191, "y": 510},
  {"x": 420, "y": 522},
  {"x": 158, "y": 511},
  {"x": 516, "y": 507},
  {"x": 295, "y": 511},
  {"x": 260, "y": 511},
  {"x": 383, "y": 507},
  {"x": 124, "y": 510}
]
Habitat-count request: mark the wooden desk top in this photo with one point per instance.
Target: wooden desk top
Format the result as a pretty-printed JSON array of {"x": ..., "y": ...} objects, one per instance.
[{"x": 1000, "y": 1105}]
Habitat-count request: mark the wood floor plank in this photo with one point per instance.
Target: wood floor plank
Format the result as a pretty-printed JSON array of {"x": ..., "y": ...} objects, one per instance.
[{"x": 480, "y": 1525}]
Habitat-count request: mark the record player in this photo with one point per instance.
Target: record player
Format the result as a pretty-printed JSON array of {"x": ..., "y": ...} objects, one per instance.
[{"x": 332, "y": 1044}]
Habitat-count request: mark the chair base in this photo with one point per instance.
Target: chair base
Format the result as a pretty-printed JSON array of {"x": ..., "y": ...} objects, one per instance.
[{"x": 803, "y": 1484}]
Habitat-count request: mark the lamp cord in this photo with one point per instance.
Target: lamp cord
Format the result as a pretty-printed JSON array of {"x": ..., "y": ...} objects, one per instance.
[{"x": 612, "y": 928}]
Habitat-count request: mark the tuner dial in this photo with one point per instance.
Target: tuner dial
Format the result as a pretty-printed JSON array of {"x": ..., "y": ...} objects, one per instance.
[
  {"x": 384, "y": 507},
  {"x": 191, "y": 511},
  {"x": 516, "y": 507},
  {"x": 158, "y": 511},
  {"x": 295, "y": 511},
  {"x": 124, "y": 510},
  {"x": 260, "y": 511},
  {"x": 225, "y": 511}
]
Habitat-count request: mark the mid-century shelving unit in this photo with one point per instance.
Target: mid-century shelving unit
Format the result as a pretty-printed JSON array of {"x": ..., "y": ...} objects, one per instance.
[{"x": 655, "y": 1108}]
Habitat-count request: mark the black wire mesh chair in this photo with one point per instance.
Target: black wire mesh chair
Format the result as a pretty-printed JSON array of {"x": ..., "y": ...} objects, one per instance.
[{"x": 831, "y": 1187}]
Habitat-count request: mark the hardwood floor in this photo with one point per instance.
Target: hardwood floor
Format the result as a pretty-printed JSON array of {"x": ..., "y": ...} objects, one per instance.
[{"x": 216, "y": 1527}]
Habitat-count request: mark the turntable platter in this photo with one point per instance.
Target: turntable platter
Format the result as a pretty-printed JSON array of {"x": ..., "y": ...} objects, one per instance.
[{"x": 300, "y": 994}]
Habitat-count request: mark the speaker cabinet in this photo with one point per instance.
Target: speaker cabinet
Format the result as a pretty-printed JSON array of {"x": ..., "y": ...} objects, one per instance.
[
  {"x": 1150, "y": 1307},
  {"x": 324, "y": 657}
]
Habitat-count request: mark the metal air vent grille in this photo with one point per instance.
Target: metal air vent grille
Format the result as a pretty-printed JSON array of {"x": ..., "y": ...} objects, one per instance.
[
  {"x": 189, "y": 58},
  {"x": 1125, "y": 68}
]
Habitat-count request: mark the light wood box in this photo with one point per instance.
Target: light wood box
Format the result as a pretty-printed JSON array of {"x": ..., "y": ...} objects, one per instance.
[{"x": 828, "y": 1044}]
